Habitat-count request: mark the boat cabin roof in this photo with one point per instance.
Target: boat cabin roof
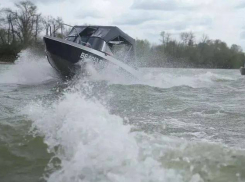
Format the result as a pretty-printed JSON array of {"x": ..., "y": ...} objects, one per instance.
[{"x": 107, "y": 33}]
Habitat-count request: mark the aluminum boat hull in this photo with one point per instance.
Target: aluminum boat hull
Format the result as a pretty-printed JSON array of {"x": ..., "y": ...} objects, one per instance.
[{"x": 69, "y": 58}]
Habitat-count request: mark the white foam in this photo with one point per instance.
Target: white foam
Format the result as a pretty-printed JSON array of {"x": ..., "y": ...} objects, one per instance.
[
  {"x": 112, "y": 73},
  {"x": 162, "y": 78},
  {"x": 28, "y": 69},
  {"x": 167, "y": 78},
  {"x": 94, "y": 145}
]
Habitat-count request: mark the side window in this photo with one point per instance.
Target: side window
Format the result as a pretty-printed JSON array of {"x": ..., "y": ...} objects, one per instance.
[
  {"x": 86, "y": 34},
  {"x": 83, "y": 40},
  {"x": 71, "y": 38}
]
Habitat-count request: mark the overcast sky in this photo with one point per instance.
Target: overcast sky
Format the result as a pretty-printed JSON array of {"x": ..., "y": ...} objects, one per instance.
[{"x": 145, "y": 19}]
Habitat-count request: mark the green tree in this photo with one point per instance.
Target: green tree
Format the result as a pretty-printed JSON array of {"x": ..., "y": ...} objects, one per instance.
[
  {"x": 142, "y": 51},
  {"x": 24, "y": 22}
]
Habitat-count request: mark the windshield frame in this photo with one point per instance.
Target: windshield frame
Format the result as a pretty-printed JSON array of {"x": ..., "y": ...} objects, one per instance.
[{"x": 104, "y": 47}]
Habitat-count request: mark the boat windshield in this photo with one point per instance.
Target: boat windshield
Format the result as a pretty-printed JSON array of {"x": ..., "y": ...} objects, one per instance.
[{"x": 92, "y": 42}]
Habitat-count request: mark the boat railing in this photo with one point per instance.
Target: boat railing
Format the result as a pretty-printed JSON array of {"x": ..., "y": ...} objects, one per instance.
[{"x": 52, "y": 30}]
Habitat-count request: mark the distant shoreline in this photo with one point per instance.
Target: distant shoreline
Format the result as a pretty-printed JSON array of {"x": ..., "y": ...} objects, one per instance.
[{"x": 6, "y": 62}]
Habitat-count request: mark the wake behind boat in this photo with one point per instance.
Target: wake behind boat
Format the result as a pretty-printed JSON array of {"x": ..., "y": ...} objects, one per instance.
[{"x": 99, "y": 45}]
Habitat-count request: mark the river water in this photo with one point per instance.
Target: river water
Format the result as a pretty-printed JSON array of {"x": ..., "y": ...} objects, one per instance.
[{"x": 169, "y": 125}]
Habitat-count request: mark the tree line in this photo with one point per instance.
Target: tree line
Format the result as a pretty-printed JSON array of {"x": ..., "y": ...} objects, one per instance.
[
  {"x": 187, "y": 52},
  {"x": 21, "y": 27}
]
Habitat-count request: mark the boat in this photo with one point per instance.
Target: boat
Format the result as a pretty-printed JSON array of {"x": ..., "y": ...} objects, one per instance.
[{"x": 97, "y": 45}]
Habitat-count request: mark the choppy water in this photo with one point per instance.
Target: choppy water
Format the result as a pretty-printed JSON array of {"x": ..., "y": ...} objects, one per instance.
[{"x": 180, "y": 125}]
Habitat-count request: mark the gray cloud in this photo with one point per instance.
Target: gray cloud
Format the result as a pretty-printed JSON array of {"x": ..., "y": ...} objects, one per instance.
[
  {"x": 163, "y": 5},
  {"x": 187, "y": 24},
  {"x": 132, "y": 21},
  {"x": 88, "y": 14},
  {"x": 164, "y": 20},
  {"x": 240, "y": 6},
  {"x": 135, "y": 17},
  {"x": 242, "y": 35}
]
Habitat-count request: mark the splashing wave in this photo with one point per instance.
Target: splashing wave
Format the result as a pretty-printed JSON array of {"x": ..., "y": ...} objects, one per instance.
[
  {"x": 28, "y": 69},
  {"x": 93, "y": 145}
]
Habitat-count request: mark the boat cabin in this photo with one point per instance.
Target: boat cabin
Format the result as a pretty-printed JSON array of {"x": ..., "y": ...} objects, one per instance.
[{"x": 107, "y": 39}]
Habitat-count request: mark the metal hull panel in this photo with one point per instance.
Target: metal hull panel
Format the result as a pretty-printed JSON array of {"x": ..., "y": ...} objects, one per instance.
[
  {"x": 62, "y": 66},
  {"x": 68, "y": 58}
]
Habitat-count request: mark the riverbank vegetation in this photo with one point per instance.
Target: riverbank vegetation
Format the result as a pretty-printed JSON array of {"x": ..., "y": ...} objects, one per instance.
[
  {"x": 187, "y": 52},
  {"x": 23, "y": 27}
]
